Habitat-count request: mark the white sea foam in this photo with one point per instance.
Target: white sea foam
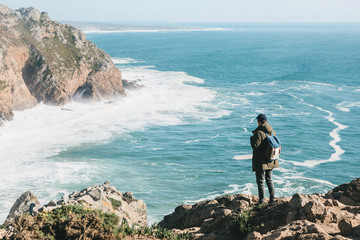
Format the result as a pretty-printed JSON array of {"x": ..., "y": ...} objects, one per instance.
[
  {"x": 264, "y": 83},
  {"x": 125, "y": 60},
  {"x": 28, "y": 142},
  {"x": 334, "y": 134},
  {"x": 346, "y": 106},
  {"x": 254, "y": 94},
  {"x": 201, "y": 140},
  {"x": 247, "y": 188},
  {"x": 154, "y": 30},
  {"x": 243, "y": 157},
  {"x": 324, "y": 182},
  {"x": 290, "y": 114}
]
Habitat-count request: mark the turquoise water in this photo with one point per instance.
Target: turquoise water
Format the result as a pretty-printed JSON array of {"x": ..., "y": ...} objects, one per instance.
[{"x": 184, "y": 137}]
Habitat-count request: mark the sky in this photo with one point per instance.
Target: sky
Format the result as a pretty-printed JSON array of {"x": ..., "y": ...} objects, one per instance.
[{"x": 118, "y": 11}]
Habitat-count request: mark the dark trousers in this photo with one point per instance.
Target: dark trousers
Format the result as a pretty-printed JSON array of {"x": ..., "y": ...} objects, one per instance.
[{"x": 262, "y": 176}]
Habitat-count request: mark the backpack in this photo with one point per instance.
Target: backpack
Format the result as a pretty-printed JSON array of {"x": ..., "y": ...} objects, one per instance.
[{"x": 273, "y": 148}]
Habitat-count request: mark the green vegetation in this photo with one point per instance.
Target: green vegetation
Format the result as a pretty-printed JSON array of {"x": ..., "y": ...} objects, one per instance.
[
  {"x": 164, "y": 233},
  {"x": 115, "y": 203},
  {"x": 77, "y": 222},
  {"x": 242, "y": 223}
]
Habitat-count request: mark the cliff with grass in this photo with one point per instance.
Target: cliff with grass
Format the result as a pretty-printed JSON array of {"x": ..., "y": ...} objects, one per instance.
[{"x": 44, "y": 61}]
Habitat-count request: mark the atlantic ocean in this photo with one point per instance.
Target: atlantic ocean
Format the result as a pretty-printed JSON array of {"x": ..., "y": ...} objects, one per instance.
[{"x": 184, "y": 136}]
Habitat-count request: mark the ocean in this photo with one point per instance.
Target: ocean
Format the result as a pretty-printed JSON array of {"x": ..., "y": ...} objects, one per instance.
[{"x": 184, "y": 136}]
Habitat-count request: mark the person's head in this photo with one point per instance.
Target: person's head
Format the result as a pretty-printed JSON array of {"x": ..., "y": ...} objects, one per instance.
[{"x": 262, "y": 119}]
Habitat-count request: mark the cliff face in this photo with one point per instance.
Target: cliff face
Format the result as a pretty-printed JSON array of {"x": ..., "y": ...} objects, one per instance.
[{"x": 44, "y": 61}]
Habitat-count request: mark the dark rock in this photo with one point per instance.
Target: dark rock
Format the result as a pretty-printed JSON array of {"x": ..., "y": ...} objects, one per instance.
[
  {"x": 129, "y": 197},
  {"x": 346, "y": 227},
  {"x": 348, "y": 193},
  {"x": 95, "y": 193},
  {"x": 26, "y": 202},
  {"x": 131, "y": 84},
  {"x": 52, "y": 203}
]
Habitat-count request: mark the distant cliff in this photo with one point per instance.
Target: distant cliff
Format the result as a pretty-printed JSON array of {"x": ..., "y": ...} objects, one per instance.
[{"x": 44, "y": 61}]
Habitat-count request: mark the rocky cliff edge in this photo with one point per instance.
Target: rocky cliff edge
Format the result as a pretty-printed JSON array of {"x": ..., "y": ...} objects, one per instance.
[
  {"x": 44, "y": 61},
  {"x": 331, "y": 216}
]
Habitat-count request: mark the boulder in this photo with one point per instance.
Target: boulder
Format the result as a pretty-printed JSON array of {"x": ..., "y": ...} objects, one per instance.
[
  {"x": 26, "y": 203},
  {"x": 348, "y": 193},
  {"x": 205, "y": 213},
  {"x": 254, "y": 236},
  {"x": 346, "y": 227},
  {"x": 301, "y": 229}
]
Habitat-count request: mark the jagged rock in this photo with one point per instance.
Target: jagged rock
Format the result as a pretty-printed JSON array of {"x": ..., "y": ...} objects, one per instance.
[
  {"x": 102, "y": 197},
  {"x": 132, "y": 210},
  {"x": 254, "y": 236},
  {"x": 346, "y": 227},
  {"x": 26, "y": 202},
  {"x": 315, "y": 216},
  {"x": 209, "y": 217},
  {"x": 131, "y": 84},
  {"x": 314, "y": 210},
  {"x": 95, "y": 193},
  {"x": 44, "y": 61},
  {"x": 301, "y": 229},
  {"x": 52, "y": 203},
  {"x": 348, "y": 193}
]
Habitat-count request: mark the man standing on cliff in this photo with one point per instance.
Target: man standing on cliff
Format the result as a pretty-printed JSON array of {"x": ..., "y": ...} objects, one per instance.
[{"x": 260, "y": 162}]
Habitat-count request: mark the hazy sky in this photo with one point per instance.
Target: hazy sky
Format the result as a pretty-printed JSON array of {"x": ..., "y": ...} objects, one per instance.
[{"x": 197, "y": 10}]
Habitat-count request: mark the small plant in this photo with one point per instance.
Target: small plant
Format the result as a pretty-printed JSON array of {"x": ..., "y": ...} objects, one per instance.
[
  {"x": 242, "y": 223},
  {"x": 115, "y": 203}
]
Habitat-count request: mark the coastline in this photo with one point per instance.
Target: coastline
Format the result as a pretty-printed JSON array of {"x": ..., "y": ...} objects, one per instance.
[{"x": 334, "y": 215}]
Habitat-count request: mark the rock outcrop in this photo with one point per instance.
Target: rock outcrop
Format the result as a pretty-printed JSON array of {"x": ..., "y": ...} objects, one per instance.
[
  {"x": 211, "y": 217},
  {"x": 335, "y": 215},
  {"x": 25, "y": 203},
  {"x": 105, "y": 198},
  {"x": 44, "y": 61}
]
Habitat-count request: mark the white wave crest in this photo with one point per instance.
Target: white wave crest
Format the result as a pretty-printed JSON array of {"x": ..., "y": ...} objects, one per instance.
[
  {"x": 243, "y": 157},
  {"x": 247, "y": 188},
  {"x": 29, "y": 142},
  {"x": 334, "y": 134},
  {"x": 154, "y": 30},
  {"x": 125, "y": 61},
  {"x": 201, "y": 140},
  {"x": 345, "y": 106},
  {"x": 254, "y": 94}
]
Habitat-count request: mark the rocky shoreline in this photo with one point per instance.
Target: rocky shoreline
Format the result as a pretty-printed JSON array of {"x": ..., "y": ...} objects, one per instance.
[{"x": 331, "y": 216}]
